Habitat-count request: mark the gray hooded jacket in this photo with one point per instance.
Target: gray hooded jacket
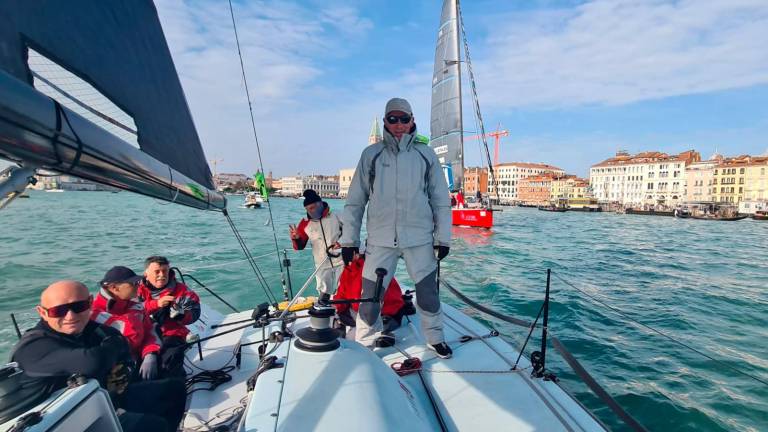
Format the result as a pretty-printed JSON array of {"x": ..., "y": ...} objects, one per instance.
[{"x": 408, "y": 202}]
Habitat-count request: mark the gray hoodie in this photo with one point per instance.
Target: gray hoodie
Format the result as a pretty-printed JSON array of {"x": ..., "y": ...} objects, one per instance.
[{"x": 408, "y": 202}]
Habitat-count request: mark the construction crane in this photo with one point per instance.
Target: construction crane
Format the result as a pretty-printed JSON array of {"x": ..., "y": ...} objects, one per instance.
[
  {"x": 215, "y": 162},
  {"x": 497, "y": 135}
]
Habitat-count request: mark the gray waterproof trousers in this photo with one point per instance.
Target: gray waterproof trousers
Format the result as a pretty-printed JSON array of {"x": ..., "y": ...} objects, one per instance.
[{"x": 421, "y": 263}]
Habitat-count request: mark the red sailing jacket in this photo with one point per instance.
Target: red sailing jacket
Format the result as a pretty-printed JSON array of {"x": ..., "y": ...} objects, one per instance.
[
  {"x": 170, "y": 327},
  {"x": 130, "y": 318},
  {"x": 351, "y": 286}
]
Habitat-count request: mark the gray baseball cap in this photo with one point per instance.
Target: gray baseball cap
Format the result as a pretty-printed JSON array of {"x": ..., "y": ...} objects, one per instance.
[{"x": 398, "y": 104}]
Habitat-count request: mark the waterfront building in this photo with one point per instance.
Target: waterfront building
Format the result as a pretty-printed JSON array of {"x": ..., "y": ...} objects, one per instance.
[
  {"x": 293, "y": 185},
  {"x": 741, "y": 178},
  {"x": 535, "y": 190},
  {"x": 230, "y": 181},
  {"x": 345, "y": 179},
  {"x": 277, "y": 184},
  {"x": 475, "y": 179},
  {"x": 645, "y": 179},
  {"x": 756, "y": 184},
  {"x": 52, "y": 180},
  {"x": 508, "y": 175},
  {"x": 325, "y": 186},
  {"x": 699, "y": 179},
  {"x": 562, "y": 187}
]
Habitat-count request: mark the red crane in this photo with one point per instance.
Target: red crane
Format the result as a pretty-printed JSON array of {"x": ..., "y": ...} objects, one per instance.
[{"x": 497, "y": 135}]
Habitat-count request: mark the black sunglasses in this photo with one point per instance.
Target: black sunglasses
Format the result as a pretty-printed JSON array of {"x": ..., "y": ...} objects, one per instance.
[
  {"x": 60, "y": 311},
  {"x": 393, "y": 119}
]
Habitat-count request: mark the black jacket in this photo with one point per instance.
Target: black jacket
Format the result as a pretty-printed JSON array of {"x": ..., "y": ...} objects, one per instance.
[{"x": 50, "y": 357}]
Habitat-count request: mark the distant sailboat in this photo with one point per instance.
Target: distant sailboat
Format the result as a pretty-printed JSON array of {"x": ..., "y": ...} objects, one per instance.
[{"x": 447, "y": 125}]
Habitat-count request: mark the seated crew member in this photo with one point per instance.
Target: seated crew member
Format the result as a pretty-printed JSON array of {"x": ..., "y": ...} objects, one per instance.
[
  {"x": 173, "y": 306},
  {"x": 350, "y": 287},
  {"x": 66, "y": 342},
  {"x": 322, "y": 230},
  {"x": 116, "y": 306}
]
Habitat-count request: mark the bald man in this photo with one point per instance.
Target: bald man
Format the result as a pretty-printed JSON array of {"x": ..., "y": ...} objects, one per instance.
[{"x": 65, "y": 342}]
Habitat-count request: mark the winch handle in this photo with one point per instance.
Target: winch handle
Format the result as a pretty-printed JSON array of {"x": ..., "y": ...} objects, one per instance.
[{"x": 380, "y": 273}]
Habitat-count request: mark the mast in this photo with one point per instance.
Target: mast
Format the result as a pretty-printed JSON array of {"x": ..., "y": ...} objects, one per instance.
[{"x": 446, "y": 126}]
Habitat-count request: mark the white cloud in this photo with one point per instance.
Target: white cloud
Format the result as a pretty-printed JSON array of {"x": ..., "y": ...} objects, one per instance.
[
  {"x": 619, "y": 52},
  {"x": 281, "y": 44}
]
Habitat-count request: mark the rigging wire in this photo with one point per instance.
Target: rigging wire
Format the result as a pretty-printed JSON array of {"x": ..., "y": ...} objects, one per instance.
[
  {"x": 478, "y": 114},
  {"x": 659, "y": 332},
  {"x": 255, "y": 135},
  {"x": 251, "y": 260}
]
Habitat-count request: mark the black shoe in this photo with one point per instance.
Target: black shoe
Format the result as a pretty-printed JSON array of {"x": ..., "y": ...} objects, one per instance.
[
  {"x": 384, "y": 341},
  {"x": 442, "y": 350}
]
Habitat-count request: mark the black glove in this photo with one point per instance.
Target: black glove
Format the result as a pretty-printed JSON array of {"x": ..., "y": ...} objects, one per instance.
[
  {"x": 348, "y": 254},
  {"x": 442, "y": 252}
]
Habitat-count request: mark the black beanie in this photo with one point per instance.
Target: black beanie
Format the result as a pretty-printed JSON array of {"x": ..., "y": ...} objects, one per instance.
[{"x": 310, "y": 196}]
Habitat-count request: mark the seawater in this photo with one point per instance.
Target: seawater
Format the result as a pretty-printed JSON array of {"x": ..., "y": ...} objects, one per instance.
[{"x": 702, "y": 283}]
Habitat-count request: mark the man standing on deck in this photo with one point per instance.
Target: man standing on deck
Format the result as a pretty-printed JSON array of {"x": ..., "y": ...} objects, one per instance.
[
  {"x": 401, "y": 182},
  {"x": 321, "y": 229}
]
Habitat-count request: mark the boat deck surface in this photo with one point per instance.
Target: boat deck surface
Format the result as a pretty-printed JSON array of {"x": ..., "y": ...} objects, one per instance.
[{"x": 474, "y": 390}]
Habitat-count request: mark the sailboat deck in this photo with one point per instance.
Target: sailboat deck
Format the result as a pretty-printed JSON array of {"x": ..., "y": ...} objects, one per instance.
[{"x": 474, "y": 390}]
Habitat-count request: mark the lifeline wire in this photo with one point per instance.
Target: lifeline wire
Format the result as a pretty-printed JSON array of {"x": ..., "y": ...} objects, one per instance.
[
  {"x": 659, "y": 332},
  {"x": 255, "y": 135}
]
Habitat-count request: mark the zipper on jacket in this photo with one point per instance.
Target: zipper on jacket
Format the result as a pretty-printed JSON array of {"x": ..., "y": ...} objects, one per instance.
[{"x": 397, "y": 156}]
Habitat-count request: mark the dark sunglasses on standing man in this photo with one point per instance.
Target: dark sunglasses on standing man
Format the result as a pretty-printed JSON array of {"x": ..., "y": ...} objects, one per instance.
[
  {"x": 393, "y": 119},
  {"x": 60, "y": 311}
]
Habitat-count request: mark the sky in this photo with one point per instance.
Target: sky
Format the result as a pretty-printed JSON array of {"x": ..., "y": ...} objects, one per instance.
[{"x": 572, "y": 81}]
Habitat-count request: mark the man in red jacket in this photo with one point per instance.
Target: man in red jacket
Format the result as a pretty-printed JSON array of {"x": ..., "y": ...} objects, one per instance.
[
  {"x": 173, "y": 306},
  {"x": 115, "y": 306}
]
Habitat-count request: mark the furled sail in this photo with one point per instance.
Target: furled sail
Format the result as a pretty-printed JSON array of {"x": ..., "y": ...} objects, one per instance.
[
  {"x": 446, "y": 119},
  {"x": 119, "y": 49}
]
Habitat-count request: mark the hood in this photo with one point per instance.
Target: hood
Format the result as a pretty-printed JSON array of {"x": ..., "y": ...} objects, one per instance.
[{"x": 394, "y": 145}]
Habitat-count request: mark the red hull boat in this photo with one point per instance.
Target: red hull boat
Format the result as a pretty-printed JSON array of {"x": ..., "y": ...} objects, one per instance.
[{"x": 480, "y": 218}]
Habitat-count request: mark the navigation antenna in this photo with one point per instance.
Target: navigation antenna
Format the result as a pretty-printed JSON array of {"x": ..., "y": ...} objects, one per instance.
[
  {"x": 478, "y": 115},
  {"x": 256, "y": 140}
]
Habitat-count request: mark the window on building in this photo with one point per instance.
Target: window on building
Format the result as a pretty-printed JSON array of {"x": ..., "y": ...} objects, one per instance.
[{"x": 741, "y": 171}]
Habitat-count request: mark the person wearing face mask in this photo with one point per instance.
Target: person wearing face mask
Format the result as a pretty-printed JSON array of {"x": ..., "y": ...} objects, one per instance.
[
  {"x": 321, "y": 229},
  {"x": 400, "y": 182}
]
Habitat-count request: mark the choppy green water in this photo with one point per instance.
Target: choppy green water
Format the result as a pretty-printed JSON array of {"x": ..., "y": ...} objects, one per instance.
[{"x": 705, "y": 283}]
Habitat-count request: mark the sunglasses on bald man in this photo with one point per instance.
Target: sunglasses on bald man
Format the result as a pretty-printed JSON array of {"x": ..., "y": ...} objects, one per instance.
[
  {"x": 393, "y": 119},
  {"x": 60, "y": 311}
]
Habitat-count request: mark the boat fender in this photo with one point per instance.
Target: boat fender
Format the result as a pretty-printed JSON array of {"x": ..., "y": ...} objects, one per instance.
[{"x": 266, "y": 364}]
